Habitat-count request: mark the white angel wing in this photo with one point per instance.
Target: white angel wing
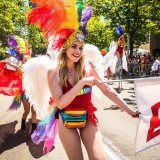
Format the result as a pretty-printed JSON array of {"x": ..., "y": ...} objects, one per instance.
[
  {"x": 95, "y": 56},
  {"x": 112, "y": 45},
  {"x": 109, "y": 56},
  {"x": 125, "y": 65},
  {"x": 35, "y": 83}
]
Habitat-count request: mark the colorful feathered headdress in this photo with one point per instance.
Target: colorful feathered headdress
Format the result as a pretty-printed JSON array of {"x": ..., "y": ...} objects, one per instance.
[
  {"x": 18, "y": 47},
  {"x": 62, "y": 21},
  {"x": 120, "y": 32}
]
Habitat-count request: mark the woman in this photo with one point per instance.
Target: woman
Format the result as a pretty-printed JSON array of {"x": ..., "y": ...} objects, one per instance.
[
  {"x": 120, "y": 53},
  {"x": 65, "y": 83},
  {"x": 70, "y": 82},
  {"x": 117, "y": 60},
  {"x": 25, "y": 100}
]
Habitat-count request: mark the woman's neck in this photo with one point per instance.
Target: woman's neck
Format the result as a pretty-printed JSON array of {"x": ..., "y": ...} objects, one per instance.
[{"x": 71, "y": 66}]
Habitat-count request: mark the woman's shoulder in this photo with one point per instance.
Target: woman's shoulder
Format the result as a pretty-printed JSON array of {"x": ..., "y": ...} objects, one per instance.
[{"x": 53, "y": 72}]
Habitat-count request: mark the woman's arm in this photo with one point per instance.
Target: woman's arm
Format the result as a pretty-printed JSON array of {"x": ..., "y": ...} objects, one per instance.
[
  {"x": 112, "y": 94},
  {"x": 62, "y": 100},
  {"x": 18, "y": 69}
]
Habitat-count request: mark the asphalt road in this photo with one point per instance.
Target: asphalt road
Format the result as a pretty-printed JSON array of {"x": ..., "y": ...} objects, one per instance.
[{"x": 118, "y": 129}]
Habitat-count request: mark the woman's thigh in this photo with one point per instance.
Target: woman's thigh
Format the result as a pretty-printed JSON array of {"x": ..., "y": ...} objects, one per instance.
[
  {"x": 92, "y": 140},
  {"x": 71, "y": 141}
]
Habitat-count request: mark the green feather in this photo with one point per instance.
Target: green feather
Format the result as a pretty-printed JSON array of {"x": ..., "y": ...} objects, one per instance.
[{"x": 80, "y": 6}]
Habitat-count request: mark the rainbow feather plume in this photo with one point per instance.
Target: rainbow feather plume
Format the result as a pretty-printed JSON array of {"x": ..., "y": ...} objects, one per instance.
[
  {"x": 46, "y": 131},
  {"x": 17, "y": 47},
  {"x": 16, "y": 104},
  {"x": 55, "y": 18},
  {"x": 119, "y": 30}
]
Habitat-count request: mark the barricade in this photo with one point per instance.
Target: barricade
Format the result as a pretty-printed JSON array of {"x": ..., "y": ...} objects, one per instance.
[{"x": 142, "y": 69}]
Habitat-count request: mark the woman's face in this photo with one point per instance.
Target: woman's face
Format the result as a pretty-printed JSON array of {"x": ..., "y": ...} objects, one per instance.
[{"x": 74, "y": 52}]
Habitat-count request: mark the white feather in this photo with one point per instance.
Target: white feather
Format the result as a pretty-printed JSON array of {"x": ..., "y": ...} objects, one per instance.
[
  {"x": 35, "y": 83},
  {"x": 107, "y": 59},
  {"x": 95, "y": 56}
]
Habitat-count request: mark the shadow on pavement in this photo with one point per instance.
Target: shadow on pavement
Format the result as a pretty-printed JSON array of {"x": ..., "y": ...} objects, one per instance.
[
  {"x": 10, "y": 139},
  {"x": 113, "y": 107},
  {"x": 36, "y": 150},
  {"x": 129, "y": 101},
  {"x": 7, "y": 130}
]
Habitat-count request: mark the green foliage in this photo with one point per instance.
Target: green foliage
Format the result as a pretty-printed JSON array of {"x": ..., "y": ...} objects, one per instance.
[
  {"x": 99, "y": 33},
  {"x": 13, "y": 21},
  {"x": 2, "y": 53},
  {"x": 139, "y": 18},
  {"x": 36, "y": 40}
]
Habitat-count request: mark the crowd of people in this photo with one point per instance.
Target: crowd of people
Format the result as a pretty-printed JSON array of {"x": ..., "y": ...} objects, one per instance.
[
  {"x": 144, "y": 65},
  {"x": 140, "y": 64}
]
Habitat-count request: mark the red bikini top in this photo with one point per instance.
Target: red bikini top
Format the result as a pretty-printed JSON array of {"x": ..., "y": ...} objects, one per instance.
[
  {"x": 120, "y": 50},
  {"x": 81, "y": 101}
]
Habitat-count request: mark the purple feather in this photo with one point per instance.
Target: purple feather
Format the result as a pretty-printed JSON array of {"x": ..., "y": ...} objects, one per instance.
[
  {"x": 86, "y": 15},
  {"x": 18, "y": 56},
  {"x": 12, "y": 42}
]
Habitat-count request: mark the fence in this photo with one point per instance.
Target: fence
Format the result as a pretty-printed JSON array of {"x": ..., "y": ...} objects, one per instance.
[{"x": 142, "y": 69}]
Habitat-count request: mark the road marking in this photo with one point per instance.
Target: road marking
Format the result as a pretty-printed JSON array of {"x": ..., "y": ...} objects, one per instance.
[{"x": 112, "y": 151}]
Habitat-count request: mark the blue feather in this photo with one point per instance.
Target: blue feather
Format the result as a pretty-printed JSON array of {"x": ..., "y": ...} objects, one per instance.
[{"x": 119, "y": 30}]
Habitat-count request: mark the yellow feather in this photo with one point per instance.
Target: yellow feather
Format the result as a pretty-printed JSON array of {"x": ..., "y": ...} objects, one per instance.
[{"x": 71, "y": 21}]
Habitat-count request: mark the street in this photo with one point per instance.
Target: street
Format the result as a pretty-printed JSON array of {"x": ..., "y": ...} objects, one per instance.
[{"x": 118, "y": 130}]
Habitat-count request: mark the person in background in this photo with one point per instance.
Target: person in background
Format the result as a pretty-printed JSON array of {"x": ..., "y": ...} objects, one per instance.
[
  {"x": 120, "y": 52},
  {"x": 11, "y": 59},
  {"x": 155, "y": 66},
  {"x": 25, "y": 100}
]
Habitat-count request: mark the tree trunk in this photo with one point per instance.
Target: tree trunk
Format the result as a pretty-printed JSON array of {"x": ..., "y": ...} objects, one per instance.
[{"x": 131, "y": 45}]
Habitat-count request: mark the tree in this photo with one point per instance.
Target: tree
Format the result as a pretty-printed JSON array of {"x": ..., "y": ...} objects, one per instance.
[
  {"x": 36, "y": 40},
  {"x": 98, "y": 34},
  {"x": 139, "y": 17},
  {"x": 13, "y": 21}
]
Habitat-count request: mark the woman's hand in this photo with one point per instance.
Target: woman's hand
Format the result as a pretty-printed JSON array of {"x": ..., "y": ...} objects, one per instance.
[
  {"x": 90, "y": 81},
  {"x": 135, "y": 114},
  {"x": 6, "y": 62}
]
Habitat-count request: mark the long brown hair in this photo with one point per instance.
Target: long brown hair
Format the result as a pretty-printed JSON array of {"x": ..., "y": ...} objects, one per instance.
[{"x": 63, "y": 69}]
